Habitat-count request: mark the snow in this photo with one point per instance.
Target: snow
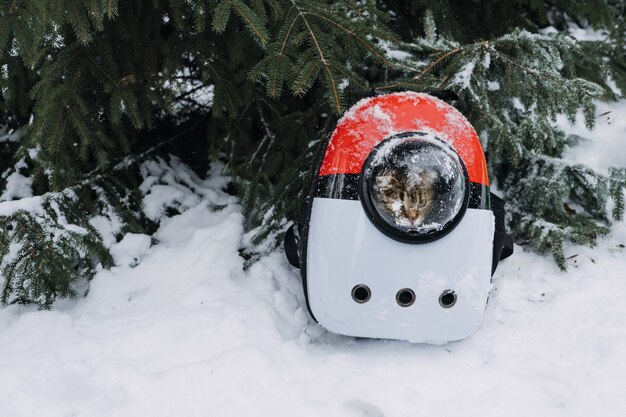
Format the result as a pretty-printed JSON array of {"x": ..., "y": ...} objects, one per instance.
[
  {"x": 131, "y": 249},
  {"x": 190, "y": 91},
  {"x": 107, "y": 227},
  {"x": 493, "y": 85},
  {"x": 31, "y": 204},
  {"x": 180, "y": 328},
  {"x": 188, "y": 332},
  {"x": 7, "y": 135},
  {"x": 588, "y": 34},
  {"x": 17, "y": 186},
  {"x": 176, "y": 186},
  {"x": 603, "y": 147},
  {"x": 464, "y": 76},
  {"x": 392, "y": 52}
]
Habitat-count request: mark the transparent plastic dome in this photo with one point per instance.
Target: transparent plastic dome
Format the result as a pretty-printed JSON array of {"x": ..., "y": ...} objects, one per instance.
[{"x": 417, "y": 185}]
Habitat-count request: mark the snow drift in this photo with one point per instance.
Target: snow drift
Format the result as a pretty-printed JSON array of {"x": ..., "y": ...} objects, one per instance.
[{"x": 179, "y": 328}]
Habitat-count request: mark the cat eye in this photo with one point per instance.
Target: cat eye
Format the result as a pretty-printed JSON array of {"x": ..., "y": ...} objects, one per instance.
[{"x": 426, "y": 188}]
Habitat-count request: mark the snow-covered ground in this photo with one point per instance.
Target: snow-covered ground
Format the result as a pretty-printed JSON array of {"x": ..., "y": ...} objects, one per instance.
[{"x": 179, "y": 328}]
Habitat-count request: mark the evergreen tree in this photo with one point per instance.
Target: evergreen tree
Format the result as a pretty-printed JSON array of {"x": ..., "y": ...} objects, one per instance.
[
  {"x": 514, "y": 83},
  {"x": 514, "y": 86},
  {"x": 92, "y": 89}
]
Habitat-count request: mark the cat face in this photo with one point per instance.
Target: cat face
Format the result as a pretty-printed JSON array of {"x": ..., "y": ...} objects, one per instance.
[{"x": 407, "y": 196}]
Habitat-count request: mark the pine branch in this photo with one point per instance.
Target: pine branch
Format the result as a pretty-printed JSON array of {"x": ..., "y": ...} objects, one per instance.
[
  {"x": 329, "y": 76},
  {"x": 535, "y": 77},
  {"x": 437, "y": 62},
  {"x": 110, "y": 8},
  {"x": 221, "y": 15},
  {"x": 274, "y": 91},
  {"x": 63, "y": 231},
  {"x": 617, "y": 185},
  {"x": 375, "y": 52},
  {"x": 252, "y": 21},
  {"x": 81, "y": 27}
]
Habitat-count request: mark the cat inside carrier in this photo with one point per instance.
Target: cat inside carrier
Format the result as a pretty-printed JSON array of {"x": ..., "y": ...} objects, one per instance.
[{"x": 402, "y": 234}]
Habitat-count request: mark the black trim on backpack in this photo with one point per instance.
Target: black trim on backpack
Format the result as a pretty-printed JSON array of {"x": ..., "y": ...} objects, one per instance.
[{"x": 502, "y": 243}]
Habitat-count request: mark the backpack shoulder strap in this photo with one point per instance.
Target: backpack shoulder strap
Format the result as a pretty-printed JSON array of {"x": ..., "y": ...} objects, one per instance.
[{"x": 502, "y": 243}]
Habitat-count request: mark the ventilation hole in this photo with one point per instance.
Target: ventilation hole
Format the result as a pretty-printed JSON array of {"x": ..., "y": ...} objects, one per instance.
[
  {"x": 361, "y": 293},
  {"x": 447, "y": 299},
  {"x": 405, "y": 297}
]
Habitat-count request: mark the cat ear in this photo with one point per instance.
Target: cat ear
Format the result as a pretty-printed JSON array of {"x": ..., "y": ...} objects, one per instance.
[
  {"x": 429, "y": 177},
  {"x": 384, "y": 181}
]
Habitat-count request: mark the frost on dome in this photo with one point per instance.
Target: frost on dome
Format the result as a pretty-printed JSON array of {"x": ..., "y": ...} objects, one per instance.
[
  {"x": 378, "y": 113},
  {"x": 357, "y": 109},
  {"x": 458, "y": 126},
  {"x": 417, "y": 185},
  {"x": 361, "y": 112}
]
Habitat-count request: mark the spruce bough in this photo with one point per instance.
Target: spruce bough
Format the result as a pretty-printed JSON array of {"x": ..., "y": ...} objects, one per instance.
[{"x": 89, "y": 84}]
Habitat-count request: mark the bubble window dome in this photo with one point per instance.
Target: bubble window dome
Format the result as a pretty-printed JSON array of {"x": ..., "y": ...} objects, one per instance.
[{"x": 414, "y": 187}]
